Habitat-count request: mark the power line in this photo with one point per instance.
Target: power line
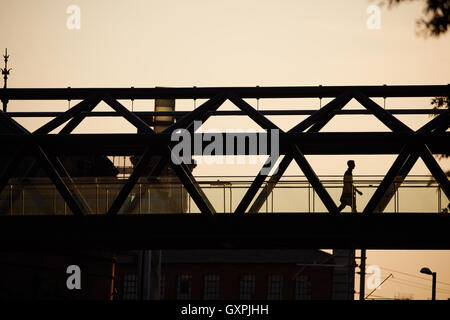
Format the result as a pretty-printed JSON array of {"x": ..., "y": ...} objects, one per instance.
[
  {"x": 406, "y": 283},
  {"x": 421, "y": 284},
  {"x": 416, "y": 284},
  {"x": 415, "y": 276},
  {"x": 391, "y": 275}
]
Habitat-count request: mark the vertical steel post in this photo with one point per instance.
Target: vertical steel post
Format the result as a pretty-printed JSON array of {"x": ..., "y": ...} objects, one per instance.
[
  {"x": 433, "y": 294},
  {"x": 362, "y": 280}
]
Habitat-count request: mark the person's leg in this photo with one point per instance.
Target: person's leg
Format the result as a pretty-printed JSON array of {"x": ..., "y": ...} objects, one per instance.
[
  {"x": 342, "y": 206},
  {"x": 354, "y": 205}
]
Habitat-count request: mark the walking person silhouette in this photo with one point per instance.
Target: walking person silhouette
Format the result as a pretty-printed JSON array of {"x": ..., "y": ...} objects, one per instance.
[{"x": 348, "y": 197}]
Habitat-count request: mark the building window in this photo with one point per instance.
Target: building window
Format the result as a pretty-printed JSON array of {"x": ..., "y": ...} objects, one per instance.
[
  {"x": 184, "y": 287},
  {"x": 247, "y": 287},
  {"x": 274, "y": 287},
  {"x": 302, "y": 288},
  {"x": 211, "y": 287},
  {"x": 129, "y": 287}
]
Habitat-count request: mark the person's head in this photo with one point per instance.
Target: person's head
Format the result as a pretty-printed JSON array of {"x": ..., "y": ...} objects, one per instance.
[{"x": 351, "y": 164}]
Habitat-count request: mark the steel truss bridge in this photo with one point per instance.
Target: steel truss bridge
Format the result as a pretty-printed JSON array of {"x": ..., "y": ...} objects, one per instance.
[{"x": 246, "y": 225}]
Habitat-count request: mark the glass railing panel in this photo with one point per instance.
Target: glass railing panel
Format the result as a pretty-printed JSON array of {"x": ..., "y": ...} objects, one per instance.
[
  {"x": 39, "y": 196},
  {"x": 36, "y": 196},
  {"x": 290, "y": 197},
  {"x": 267, "y": 205},
  {"x": 5, "y": 201},
  {"x": 418, "y": 199},
  {"x": 238, "y": 193},
  {"x": 87, "y": 190},
  {"x": 192, "y": 207},
  {"x": 218, "y": 196}
]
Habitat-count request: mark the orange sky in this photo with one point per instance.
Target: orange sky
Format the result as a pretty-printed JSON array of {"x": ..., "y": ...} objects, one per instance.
[{"x": 232, "y": 43}]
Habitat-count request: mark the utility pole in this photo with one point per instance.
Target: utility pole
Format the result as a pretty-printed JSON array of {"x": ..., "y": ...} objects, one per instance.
[
  {"x": 149, "y": 275},
  {"x": 362, "y": 274},
  {"x": 5, "y": 73},
  {"x": 433, "y": 293}
]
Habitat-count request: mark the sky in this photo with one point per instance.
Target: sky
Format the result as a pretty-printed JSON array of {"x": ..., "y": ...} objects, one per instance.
[{"x": 234, "y": 43}]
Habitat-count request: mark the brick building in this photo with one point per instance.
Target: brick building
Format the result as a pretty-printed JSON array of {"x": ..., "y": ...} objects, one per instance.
[{"x": 241, "y": 275}]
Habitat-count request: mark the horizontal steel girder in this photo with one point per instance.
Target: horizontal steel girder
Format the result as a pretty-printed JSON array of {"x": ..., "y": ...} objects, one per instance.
[
  {"x": 209, "y": 92},
  {"x": 189, "y": 231},
  {"x": 310, "y": 142},
  {"x": 179, "y": 114}
]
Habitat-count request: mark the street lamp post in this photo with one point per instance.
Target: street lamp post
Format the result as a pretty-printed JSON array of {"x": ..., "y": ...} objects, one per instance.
[{"x": 433, "y": 274}]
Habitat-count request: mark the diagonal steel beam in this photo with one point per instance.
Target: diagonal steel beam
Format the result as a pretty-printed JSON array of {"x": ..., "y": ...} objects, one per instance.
[
  {"x": 128, "y": 115},
  {"x": 12, "y": 124},
  {"x": 397, "y": 126},
  {"x": 76, "y": 120},
  {"x": 158, "y": 168},
  {"x": 251, "y": 192},
  {"x": 435, "y": 169},
  {"x": 313, "y": 179},
  {"x": 14, "y": 159},
  {"x": 193, "y": 188},
  {"x": 72, "y": 185},
  {"x": 264, "y": 194},
  {"x": 320, "y": 119},
  {"x": 59, "y": 183},
  {"x": 72, "y": 112},
  {"x": 202, "y": 201},
  {"x": 210, "y": 105},
  {"x": 404, "y": 170},
  {"x": 441, "y": 122},
  {"x": 388, "y": 180},
  {"x": 53, "y": 164},
  {"x": 181, "y": 170},
  {"x": 143, "y": 161},
  {"x": 143, "y": 190},
  {"x": 256, "y": 116},
  {"x": 206, "y": 115},
  {"x": 12, "y": 163},
  {"x": 438, "y": 124},
  {"x": 339, "y": 102},
  {"x": 384, "y": 116},
  {"x": 202, "y": 112},
  {"x": 265, "y": 124},
  {"x": 131, "y": 182}
]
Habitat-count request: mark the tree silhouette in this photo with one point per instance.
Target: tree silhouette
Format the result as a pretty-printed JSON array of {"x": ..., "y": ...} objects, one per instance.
[
  {"x": 434, "y": 23},
  {"x": 441, "y": 103},
  {"x": 436, "y": 19}
]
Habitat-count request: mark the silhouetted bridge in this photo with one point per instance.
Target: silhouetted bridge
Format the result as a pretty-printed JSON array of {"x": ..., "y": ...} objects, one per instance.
[{"x": 46, "y": 203}]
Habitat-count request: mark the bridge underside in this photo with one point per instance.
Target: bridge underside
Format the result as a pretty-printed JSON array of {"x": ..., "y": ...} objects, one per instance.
[{"x": 195, "y": 231}]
